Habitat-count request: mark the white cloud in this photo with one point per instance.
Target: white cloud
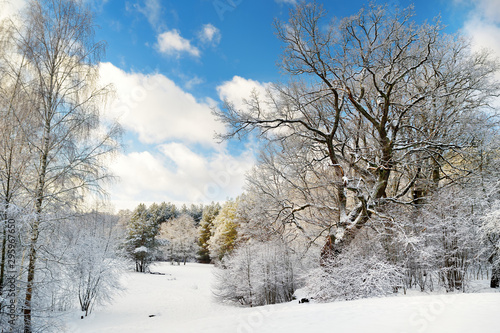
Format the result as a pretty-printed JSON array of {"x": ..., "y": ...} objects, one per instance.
[
  {"x": 172, "y": 43},
  {"x": 490, "y": 9},
  {"x": 155, "y": 108},
  {"x": 484, "y": 34},
  {"x": 10, "y": 8},
  {"x": 192, "y": 82},
  {"x": 209, "y": 34},
  {"x": 483, "y": 27},
  {"x": 173, "y": 122},
  {"x": 152, "y": 10},
  {"x": 483, "y": 24},
  {"x": 177, "y": 174},
  {"x": 240, "y": 89},
  {"x": 290, "y": 2}
]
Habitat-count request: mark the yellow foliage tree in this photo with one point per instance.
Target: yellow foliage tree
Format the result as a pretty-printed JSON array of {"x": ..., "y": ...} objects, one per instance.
[{"x": 224, "y": 231}]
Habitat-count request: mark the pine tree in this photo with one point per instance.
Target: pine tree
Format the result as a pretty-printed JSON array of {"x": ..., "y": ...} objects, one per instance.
[
  {"x": 196, "y": 212},
  {"x": 205, "y": 231},
  {"x": 167, "y": 211},
  {"x": 141, "y": 242}
]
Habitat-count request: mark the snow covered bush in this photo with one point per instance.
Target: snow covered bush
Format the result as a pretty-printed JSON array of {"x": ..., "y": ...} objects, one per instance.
[
  {"x": 360, "y": 271},
  {"x": 95, "y": 263},
  {"x": 349, "y": 277},
  {"x": 85, "y": 262},
  {"x": 258, "y": 274}
]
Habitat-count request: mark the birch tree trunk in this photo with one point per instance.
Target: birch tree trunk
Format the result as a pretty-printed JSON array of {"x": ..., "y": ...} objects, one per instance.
[{"x": 56, "y": 39}]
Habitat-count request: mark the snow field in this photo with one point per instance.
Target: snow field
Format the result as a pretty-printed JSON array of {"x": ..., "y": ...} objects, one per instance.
[{"x": 181, "y": 302}]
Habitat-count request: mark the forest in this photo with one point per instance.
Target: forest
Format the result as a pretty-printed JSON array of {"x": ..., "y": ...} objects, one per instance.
[{"x": 378, "y": 170}]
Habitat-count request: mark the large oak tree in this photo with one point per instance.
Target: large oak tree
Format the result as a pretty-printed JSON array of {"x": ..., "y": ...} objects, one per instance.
[{"x": 377, "y": 109}]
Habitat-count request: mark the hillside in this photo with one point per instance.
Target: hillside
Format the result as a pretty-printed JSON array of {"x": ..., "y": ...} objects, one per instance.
[{"x": 181, "y": 301}]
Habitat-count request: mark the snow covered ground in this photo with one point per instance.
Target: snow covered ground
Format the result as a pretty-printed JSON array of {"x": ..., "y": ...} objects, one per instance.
[{"x": 181, "y": 301}]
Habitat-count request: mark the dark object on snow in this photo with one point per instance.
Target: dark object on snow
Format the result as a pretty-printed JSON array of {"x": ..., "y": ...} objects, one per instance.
[
  {"x": 157, "y": 273},
  {"x": 151, "y": 316},
  {"x": 395, "y": 289},
  {"x": 304, "y": 300},
  {"x": 81, "y": 317},
  {"x": 495, "y": 278}
]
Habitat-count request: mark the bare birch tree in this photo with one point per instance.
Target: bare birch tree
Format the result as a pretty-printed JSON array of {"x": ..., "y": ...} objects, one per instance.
[
  {"x": 68, "y": 144},
  {"x": 14, "y": 111},
  {"x": 15, "y": 115}
]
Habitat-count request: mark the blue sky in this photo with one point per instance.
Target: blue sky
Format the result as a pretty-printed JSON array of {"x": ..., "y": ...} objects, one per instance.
[
  {"x": 244, "y": 43},
  {"x": 171, "y": 61}
]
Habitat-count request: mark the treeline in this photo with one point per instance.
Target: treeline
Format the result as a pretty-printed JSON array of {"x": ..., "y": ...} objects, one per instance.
[
  {"x": 224, "y": 234},
  {"x": 160, "y": 232},
  {"x": 202, "y": 233}
]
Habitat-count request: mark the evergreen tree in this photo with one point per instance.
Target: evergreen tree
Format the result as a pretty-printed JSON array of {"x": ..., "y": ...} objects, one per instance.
[
  {"x": 205, "y": 231},
  {"x": 168, "y": 211},
  {"x": 142, "y": 230},
  {"x": 196, "y": 212}
]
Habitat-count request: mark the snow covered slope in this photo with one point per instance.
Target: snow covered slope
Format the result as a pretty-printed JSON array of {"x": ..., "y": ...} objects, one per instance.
[{"x": 181, "y": 301}]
